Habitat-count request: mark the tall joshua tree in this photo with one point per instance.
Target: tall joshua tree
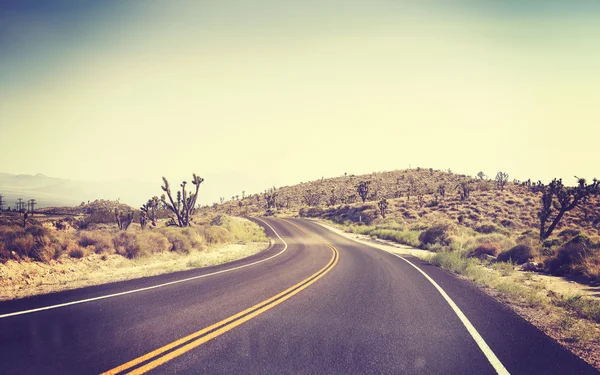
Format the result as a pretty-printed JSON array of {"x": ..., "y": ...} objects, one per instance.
[
  {"x": 184, "y": 206},
  {"x": 557, "y": 197},
  {"x": 150, "y": 209},
  {"x": 363, "y": 190}
]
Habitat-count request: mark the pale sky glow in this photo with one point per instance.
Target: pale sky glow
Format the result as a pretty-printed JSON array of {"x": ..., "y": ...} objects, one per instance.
[{"x": 279, "y": 92}]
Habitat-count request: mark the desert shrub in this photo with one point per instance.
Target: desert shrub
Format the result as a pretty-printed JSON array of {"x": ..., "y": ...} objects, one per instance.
[
  {"x": 568, "y": 233},
  {"x": 76, "y": 252},
  {"x": 23, "y": 245},
  {"x": 195, "y": 238},
  {"x": 102, "y": 242},
  {"x": 152, "y": 242},
  {"x": 519, "y": 254},
  {"x": 216, "y": 234},
  {"x": 436, "y": 234},
  {"x": 507, "y": 223},
  {"x": 488, "y": 228},
  {"x": 310, "y": 212},
  {"x": 96, "y": 216},
  {"x": 178, "y": 240},
  {"x": 497, "y": 240},
  {"x": 128, "y": 245},
  {"x": 244, "y": 230},
  {"x": 410, "y": 238},
  {"x": 570, "y": 255},
  {"x": 481, "y": 250}
]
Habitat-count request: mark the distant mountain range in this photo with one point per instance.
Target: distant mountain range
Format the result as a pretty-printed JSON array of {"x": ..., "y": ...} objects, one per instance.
[{"x": 51, "y": 191}]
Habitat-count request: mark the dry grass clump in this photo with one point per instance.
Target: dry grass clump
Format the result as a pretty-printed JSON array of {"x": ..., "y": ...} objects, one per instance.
[
  {"x": 579, "y": 255},
  {"x": 101, "y": 241},
  {"x": 152, "y": 242},
  {"x": 519, "y": 254}
]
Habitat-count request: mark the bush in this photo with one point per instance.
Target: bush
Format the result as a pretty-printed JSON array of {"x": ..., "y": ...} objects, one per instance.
[
  {"x": 76, "y": 252},
  {"x": 497, "y": 240},
  {"x": 519, "y": 254},
  {"x": 437, "y": 234},
  {"x": 481, "y": 250},
  {"x": 216, "y": 235},
  {"x": 178, "y": 240},
  {"x": 102, "y": 242},
  {"x": 488, "y": 228},
  {"x": 153, "y": 243},
  {"x": 569, "y": 256},
  {"x": 128, "y": 245}
]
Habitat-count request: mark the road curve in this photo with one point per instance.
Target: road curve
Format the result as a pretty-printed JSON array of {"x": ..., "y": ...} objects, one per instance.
[{"x": 313, "y": 303}]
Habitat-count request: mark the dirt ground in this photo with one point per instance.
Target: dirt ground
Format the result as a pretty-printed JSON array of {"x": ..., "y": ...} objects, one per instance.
[{"x": 24, "y": 279}]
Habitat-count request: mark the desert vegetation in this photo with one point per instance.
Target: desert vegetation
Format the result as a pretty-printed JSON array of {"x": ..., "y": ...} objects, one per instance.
[{"x": 554, "y": 227}]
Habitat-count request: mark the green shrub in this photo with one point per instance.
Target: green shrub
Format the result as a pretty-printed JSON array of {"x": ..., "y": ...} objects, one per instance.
[{"x": 76, "y": 252}]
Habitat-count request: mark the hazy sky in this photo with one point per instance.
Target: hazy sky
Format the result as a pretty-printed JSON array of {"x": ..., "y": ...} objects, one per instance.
[{"x": 277, "y": 92}]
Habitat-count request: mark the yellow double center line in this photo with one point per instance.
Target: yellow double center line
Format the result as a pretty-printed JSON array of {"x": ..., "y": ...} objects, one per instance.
[{"x": 158, "y": 357}]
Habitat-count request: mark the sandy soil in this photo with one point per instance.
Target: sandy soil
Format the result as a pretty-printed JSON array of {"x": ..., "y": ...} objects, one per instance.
[{"x": 23, "y": 279}]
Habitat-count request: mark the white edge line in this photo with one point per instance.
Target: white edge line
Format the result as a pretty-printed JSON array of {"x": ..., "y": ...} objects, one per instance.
[
  {"x": 151, "y": 287},
  {"x": 489, "y": 354}
]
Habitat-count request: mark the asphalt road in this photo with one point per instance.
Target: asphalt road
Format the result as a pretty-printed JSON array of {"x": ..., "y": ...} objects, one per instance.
[{"x": 314, "y": 303}]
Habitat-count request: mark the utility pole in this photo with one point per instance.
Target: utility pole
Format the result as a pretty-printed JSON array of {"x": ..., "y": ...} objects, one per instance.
[
  {"x": 20, "y": 204},
  {"x": 31, "y": 205}
]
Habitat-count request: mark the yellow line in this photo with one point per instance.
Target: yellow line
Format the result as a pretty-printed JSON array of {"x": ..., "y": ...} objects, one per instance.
[{"x": 226, "y": 324}]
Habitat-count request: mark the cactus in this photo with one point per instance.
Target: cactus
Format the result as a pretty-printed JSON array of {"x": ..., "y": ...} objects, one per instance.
[
  {"x": 363, "y": 190},
  {"x": 383, "y": 206},
  {"x": 143, "y": 221},
  {"x": 567, "y": 198},
  {"x": 123, "y": 219},
  {"x": 186, "y": 202},
  {"x": 501, "y": 180},
  {"x": 464, "y": 190},
  {"x": 150, "y": 208}
]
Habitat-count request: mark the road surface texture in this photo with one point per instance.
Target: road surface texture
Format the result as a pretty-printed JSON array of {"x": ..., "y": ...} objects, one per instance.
[{"x": 313, "y": 303}]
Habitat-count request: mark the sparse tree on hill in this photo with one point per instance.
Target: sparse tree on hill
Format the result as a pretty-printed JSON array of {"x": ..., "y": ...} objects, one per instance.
[
  {"x": 333, "y": 197},
  {"x": 222, "y": 199},
  {"x": 442, "y": 189},
  {"x": 143, "y": 220},
  {"x": 501, "y": 180},
  {"x": 186, "y": 202},
  {"x": 560, "y": 198},
  {"x": 481, "y": 175},
  {"x": 123, "y": 219},
  {"x": 271, "y": 197},
  {"x": 363, "y": 190},
  {"x": 464, "y": 190},
  {"x": 311, "y": 198},
  {"x": 383, "y": 206},
  {"x": 150, "y": 209}
]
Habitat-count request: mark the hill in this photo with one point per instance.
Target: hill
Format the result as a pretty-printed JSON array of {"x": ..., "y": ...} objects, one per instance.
[{"x": 443, "y": 211}]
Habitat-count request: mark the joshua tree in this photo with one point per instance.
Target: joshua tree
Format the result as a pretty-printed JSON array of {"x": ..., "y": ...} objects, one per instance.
[
  {"x": 186, "y": 202},
  {"x": 143, "y": 221},
  {"x": 222, "y": 199},
  {"x": 442, "y": 189},
  {"x": 561, "y": 198},
  {"x": 501, "y": 180},
  {"x": 363, "y": 190},
  {"x": 123, "y": 219},
  {"x": 464, "y": 190},
  {"x": 311, "y": 198},
  {"x": 481, "y": 175},
  {"x": 243, "y": 194},
  {"x": 271, "y": 198},
  {"x": 333, "y": 198},
  {"x": 149, "y": 209},
  {"x": 383, "y": 206},
  {"x": 1, "y": 203}
]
